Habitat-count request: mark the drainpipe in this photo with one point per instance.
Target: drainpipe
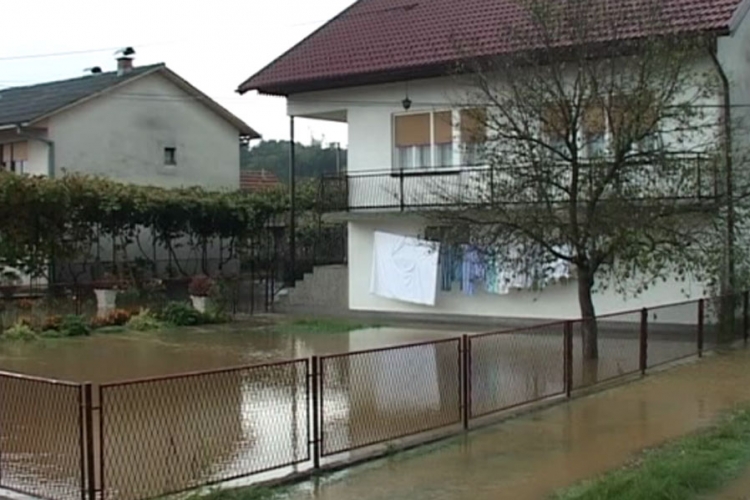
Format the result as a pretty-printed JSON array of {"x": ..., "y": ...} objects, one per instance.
[
  {"x": 50, "y": 148},
  {"x": 728, "y": 283}
]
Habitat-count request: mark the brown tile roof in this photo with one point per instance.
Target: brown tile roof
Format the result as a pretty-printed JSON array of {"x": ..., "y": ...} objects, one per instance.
[
  {"x": 258, "y": 180},
  {"x": 382, "y": 40}
]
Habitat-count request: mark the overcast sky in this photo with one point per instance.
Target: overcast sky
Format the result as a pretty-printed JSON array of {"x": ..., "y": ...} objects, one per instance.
[{"x": 214, "y": 45}]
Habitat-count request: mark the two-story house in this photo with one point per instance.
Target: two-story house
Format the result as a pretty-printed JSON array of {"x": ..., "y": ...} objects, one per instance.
[
  {"x": 387, "y": 69},
  {"x": 142, "y": 125}
]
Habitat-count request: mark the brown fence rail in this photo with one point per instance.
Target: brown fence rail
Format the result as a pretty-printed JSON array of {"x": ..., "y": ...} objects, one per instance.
[
  {"x": 167, "y": 435},
  {"x": 41, "y": 441},
  {"x": 380, "y": 395},
  {"x": 147, "y": 438}
]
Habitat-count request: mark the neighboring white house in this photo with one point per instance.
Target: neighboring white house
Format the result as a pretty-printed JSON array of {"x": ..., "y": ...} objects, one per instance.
[
  {"x": 143, "y": 125},
  {"x": 358, "y": 69}
]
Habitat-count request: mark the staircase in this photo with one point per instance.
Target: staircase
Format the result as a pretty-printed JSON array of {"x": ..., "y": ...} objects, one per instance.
[{"x": 325, "y": 290}]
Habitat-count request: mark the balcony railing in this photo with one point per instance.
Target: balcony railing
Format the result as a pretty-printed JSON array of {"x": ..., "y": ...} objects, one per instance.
[{"x": 683, "y": 178}]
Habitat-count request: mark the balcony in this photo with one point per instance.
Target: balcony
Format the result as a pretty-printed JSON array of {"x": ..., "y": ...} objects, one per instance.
[{"x": 691, "y": 178}]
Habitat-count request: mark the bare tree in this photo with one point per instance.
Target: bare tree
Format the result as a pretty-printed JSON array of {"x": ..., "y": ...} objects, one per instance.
[{"x": 600, "y": 129}]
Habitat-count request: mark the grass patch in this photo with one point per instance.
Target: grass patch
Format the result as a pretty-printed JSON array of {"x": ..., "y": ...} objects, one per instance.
[
  {"x": 684, "y": 469},
  {"x": 304, "y": 326}
]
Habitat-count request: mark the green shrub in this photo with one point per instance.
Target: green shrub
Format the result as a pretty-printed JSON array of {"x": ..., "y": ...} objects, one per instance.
[
  {"x": 74, "y": 326},
  {"x": 145, "y": 321},
  {"x": 182, "y": 314},
  {"x": 19, "y": 331}
]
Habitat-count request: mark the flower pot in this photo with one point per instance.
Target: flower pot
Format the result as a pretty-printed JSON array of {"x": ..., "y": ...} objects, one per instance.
[
  {"x": 106, "y": 300},
  {"x": 199, "y": 303}
]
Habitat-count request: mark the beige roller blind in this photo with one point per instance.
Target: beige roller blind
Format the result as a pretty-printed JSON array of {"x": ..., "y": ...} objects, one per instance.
[
  {"x": 6, "y": 153},
  {"x": 473, "y": 125},
  {"x": 20, "y": 151},
  {"x": 412, "y": 130},
  {"x": 554, "y": 122},
  {"x": 594, "y": 122},
  {"x": 625, "y": 117},
  {"x": 443, "y": 127}
]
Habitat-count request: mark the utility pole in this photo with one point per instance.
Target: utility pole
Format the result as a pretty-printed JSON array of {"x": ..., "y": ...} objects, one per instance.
[{"x": 292, "y": 205}]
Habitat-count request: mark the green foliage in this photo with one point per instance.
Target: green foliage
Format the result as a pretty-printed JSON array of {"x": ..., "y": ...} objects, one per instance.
[
  {"x": 19, "y": 331},
  {"x": 690, "y": 467},
  {"x": 42, "y": 218},
  {"x": 145, "y": 321},
  {"x": 273, "y": 156},
  {"x": 182, "y": 314},
  {"x": 74, "y": 326}
]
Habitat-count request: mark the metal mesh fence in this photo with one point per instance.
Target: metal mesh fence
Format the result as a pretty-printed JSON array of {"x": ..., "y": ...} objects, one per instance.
[
  {"x": 376, "y": 396},
  {"x": 515, "y": 368},
  {"x": 618, "y": 343},
  {"x": 167, "y": 435},
  {"x": 672, "y": 333},
  {"x": 41, "y": 437}
]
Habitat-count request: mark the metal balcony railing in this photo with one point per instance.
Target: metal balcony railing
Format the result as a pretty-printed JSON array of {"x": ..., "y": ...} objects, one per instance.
[{"x": 678, "y": 178}]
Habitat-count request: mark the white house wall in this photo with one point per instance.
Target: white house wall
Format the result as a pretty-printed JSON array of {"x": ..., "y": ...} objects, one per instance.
[
  {"x": 559, "y": 301},
  {"x": 122, "y": 135}
]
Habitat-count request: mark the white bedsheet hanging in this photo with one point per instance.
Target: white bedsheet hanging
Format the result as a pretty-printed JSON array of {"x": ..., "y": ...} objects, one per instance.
[{"x": 404, "y": 268}]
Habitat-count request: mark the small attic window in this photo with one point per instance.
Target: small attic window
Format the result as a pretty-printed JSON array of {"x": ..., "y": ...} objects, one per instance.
[{"x": 170, "y": 156}]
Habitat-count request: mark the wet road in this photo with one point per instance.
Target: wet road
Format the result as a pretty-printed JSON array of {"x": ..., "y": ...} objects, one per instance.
[{"x": 532, "y": 456}]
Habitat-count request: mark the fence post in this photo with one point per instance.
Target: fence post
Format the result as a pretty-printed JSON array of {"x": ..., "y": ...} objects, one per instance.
[
  {"x": 701, "y": 322},
  {"x": 644, "y": 341},
  {"x": 401, "y": 189},
  {"x": 316, "y": 413},
  {"x": 568, "y": 355},
  {"x": 89, "y": 460},
  {"x": 745, "y": 318},
  {"x": 466, "y": 383}
]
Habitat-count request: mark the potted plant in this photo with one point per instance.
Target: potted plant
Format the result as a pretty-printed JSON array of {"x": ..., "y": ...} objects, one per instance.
[
  {"x": 200, "y": 289},
  {"x": 106, "y": 294},
  {"x": 9, "y": 282}
]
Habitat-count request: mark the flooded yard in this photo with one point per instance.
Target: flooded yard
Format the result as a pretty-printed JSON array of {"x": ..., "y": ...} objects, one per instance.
[
  {"x": 155, "y": 430},
  {"x": 105, "y": 358}
]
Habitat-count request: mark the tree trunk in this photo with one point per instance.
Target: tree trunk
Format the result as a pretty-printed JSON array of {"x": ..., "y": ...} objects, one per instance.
[{"x": 588, "y": 315}]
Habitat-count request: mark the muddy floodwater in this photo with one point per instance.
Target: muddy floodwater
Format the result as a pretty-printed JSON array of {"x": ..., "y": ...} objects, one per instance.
[
  {"x": 161, "y": 435},
  {"x": 114, "y": 357},
  {"x": 531, "y": 456}
]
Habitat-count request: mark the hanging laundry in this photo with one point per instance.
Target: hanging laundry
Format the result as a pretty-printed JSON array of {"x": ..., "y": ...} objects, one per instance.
[
  {"x": 404, "y": 268},
  {"x": 497, "y": 277},
  {"x": 447, "y": 267},
  {"x": 473, "y": 270}
]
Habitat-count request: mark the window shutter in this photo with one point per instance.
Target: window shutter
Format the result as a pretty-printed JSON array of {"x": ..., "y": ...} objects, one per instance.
[
  {"x": 412, "y": 130},
  {"x": 594, "y": 123},
  {"x": 554, "y": 122},
  {"x": 473, "y": 125},
  {"x": 624, "y": 110},
  {"x": 443, "y": 127}
]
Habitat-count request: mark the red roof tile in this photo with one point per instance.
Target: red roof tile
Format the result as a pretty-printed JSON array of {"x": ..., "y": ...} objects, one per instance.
[
  {"x": 392, "y": 37},
  {"x": 258, "y": 180}
]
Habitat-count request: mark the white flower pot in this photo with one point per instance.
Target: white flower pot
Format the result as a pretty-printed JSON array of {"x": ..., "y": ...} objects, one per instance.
[
  {"x": 106, "y": 300},
  {"x": 199, "y": 303}
]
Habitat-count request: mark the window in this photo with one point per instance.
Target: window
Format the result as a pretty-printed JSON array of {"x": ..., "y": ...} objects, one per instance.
[
  {"x": 594, "y": 124},
  {"x": 473, "y": 135},
  {"x": 13, "y": 157},
  {"x": 170, "y": 156},
  {"x": 423, "y": 140}
]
